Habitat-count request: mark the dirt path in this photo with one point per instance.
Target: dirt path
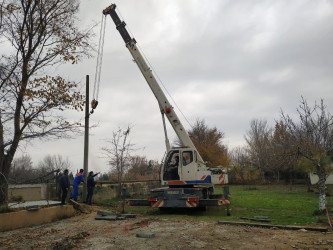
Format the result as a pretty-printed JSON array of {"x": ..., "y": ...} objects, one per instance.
[{"x": 85, "y": 232}]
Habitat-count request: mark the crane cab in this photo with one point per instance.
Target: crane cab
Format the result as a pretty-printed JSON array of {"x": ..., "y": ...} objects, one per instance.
[{"x": 181, "y": 167}]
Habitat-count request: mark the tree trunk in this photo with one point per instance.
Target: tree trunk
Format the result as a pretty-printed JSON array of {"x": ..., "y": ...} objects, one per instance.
[
  {"x": 120, "y": 177},
  {"x": 4, "y": 172},
  {"x": 3, "y": 175},
  {"x": 290, "y": 181},
  {"x": 322, "y": 188},
  {"x": 6, "y": 159},
  {"x": 308, "y": 182},
  {"x": 119, "y": 189},
  {"x": 4, "y": 190}
]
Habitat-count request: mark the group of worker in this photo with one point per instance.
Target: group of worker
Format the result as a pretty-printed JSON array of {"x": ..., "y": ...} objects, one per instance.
[{"x": 64, "y": 184}]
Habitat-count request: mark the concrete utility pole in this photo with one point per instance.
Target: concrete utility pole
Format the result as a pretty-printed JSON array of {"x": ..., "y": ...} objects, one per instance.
[{"x": 86, "y": 141}]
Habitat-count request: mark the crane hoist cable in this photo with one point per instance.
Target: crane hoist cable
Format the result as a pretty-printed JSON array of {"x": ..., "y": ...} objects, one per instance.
[{"x": 94, "y": 102}]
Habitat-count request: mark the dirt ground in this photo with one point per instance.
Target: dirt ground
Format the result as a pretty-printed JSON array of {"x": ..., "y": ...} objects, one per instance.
[{"x": 84, "y": 232}]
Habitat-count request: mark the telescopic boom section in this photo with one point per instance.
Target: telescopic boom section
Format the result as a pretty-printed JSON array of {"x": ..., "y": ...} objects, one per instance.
[
  {"x": 111, "y": 10},
  {"x": 163, "y": 102}
]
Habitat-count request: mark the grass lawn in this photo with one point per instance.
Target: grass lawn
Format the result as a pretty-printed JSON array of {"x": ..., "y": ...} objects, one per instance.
[{"x": 282, "y": 205}]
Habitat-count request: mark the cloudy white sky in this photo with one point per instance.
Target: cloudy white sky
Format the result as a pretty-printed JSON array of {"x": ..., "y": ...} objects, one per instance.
[{"x": 226, "y": 62}]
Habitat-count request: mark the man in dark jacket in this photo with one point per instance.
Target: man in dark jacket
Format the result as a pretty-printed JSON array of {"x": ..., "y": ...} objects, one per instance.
[
  {"x": 173, "y": 169},
  {"x": 90, "y": 186},
  {"x": 77, "y": 180},
  {"x": 64, "y": 184}
]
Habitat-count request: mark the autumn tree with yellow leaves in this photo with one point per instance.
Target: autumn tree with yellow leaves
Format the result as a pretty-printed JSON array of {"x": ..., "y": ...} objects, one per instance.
[
  {"x": 209, "y": 143},
  {"x": 37, "y": 35}
]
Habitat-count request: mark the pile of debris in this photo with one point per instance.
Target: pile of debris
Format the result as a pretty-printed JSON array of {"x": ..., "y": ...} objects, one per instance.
[
  {"x": 80, "y": 207},
  {"x": 70, "y": 241},
  {"x": 104, "y": 215}
]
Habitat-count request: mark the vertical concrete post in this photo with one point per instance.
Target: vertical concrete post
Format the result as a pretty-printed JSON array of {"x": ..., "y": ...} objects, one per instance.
[{"x": 86, "y": 141}]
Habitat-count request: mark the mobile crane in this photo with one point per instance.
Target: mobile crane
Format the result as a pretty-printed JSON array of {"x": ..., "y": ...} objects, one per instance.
[{"x": 189, "y": 182}]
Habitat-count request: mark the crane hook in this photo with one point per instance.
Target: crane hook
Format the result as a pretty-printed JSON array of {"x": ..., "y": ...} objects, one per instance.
[{"x": 94, "y": 104}]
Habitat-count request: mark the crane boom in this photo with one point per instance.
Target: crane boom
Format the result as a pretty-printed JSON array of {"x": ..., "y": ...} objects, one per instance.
[{"x": 165, "y": 106}]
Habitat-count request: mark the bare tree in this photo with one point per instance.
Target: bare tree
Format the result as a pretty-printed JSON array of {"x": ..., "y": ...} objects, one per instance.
[
  {"x": 258, "y": 139},
  {"x": 1, "y": 13},
  {"x": 313, "y": 136},
  {"x": 118, "y": 154},
  {"x": 40, "y": 34},
  {"x": 240, "y": 157},
  {"x": 283, "y": 149},
  {"x": 53, "y": 166},
  {"x": 142, "y": 169},
  {"x": 240, "y": 160},
  {"x": 21, "y": 170},
  {"x": 54, "y": 162}
]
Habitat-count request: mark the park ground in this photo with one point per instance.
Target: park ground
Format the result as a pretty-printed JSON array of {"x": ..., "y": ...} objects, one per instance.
[
  {"x": 189, "y": 229},
  {"x": 181, "y": 232}
]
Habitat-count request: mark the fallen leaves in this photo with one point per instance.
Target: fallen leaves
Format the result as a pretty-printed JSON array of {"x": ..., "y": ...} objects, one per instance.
[{"x": 70, "y": 241}]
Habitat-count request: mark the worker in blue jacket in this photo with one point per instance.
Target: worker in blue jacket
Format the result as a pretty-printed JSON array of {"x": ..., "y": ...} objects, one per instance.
[{"x": 77, "y": 180}]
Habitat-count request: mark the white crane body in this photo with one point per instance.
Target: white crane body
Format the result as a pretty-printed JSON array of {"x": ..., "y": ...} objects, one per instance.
[{"x": 191, "y": 178}]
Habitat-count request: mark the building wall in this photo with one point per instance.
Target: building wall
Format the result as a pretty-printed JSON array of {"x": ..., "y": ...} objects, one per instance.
[
  {"x": 28, "y": 192},
  {"x": 24, "y": 218},
  {"x": 133, "y": 189},
  {"x": 35, "y": 192},
  {"x": 314, "y": 179}
]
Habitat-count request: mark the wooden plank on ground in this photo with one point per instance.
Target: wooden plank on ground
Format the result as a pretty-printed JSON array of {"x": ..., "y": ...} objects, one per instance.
[
  {"x": 256, "y": 219},
  {"x": 319, "y": 229}
]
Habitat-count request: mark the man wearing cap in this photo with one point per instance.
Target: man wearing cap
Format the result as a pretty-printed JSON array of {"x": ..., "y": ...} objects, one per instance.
[
  {"x": 64, "y": 184},
  {"x": 90, "y": 186}
]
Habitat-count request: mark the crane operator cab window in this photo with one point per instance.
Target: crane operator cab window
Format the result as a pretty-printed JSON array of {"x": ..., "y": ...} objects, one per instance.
[
  {"x": 171, "y": 166},
  {"x": 187, "y": 157}
]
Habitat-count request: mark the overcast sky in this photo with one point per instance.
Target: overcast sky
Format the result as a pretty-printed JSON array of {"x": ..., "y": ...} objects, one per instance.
[{"x": 226, "y": 62}]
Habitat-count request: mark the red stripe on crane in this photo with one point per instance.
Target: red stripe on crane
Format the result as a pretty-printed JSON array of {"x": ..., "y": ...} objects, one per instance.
[
  {"x": 223, "y": 202},
  {"x": 191, "y": 204},
  {"x": 176, "y": 182},
  {"x": 159, "y": 203},
  {"x": 222, "y": 176}
]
